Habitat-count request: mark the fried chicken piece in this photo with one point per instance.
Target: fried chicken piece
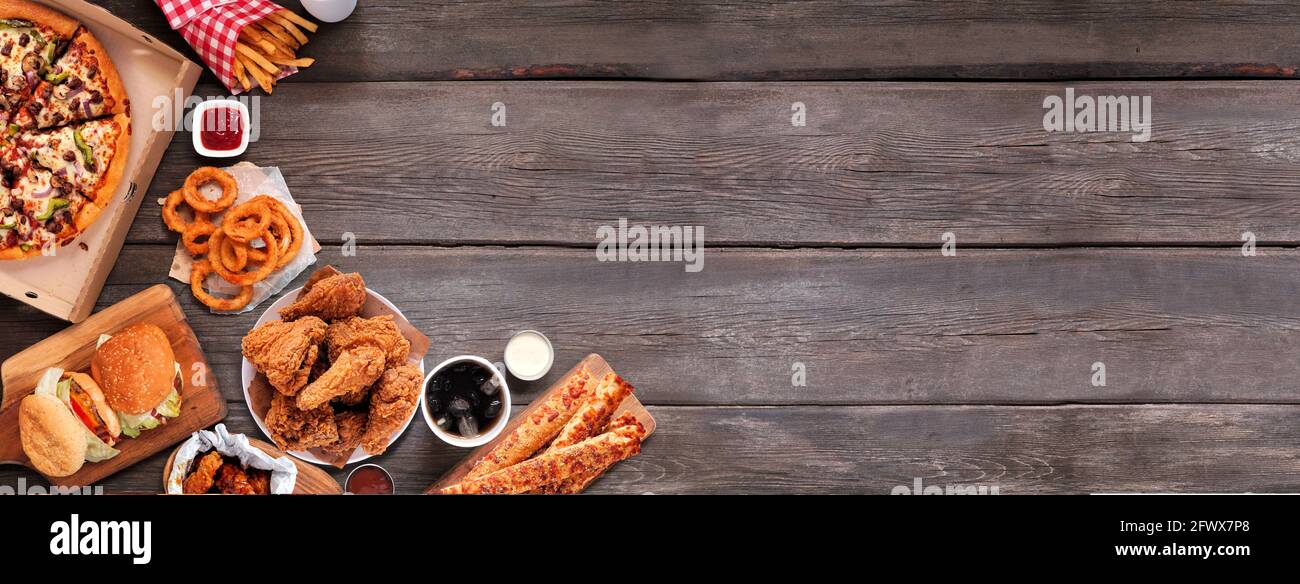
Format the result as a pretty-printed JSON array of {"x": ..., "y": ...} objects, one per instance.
[
  {"x": 391, "y": 403},
  {"x": 260, "y": 480},
  {"x": 318, "y": 368},
  {"x": 354, "y": 398},
  {"x": 232, "y": 480},
  {"x": 200, "y": 481},
  {"x": 334, "y": 297},
  {"x": 380, "y": 331},
  {"x": 353, "y": 370},
  {"x": 285, "y": 351},
  {"x": 297, "y": 429},
  {"x": 351, "y": 425}
]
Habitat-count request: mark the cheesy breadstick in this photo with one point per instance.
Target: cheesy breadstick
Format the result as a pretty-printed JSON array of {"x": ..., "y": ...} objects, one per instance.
[
  {"x": 555, "y": 466},
  {"x": 579, "y": 481},
  {"x": 539, "y": 428},
  {"x": 595, "y": 414}
]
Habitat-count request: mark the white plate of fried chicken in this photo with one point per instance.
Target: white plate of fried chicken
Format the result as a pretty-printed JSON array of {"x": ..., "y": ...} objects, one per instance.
[{"x": 332, "y": 372}]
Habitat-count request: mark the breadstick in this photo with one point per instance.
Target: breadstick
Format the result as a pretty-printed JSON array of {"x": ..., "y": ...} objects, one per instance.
[
  {"x": 539, "y": 428},
  {"x": 581, "y": 480},
  {"x": 595, "y": 414},
  {"x": 555, "y": 466}
]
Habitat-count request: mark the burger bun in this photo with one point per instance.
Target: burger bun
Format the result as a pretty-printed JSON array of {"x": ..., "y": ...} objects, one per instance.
[
  {"x": 53, "y": 439},
  {"x": 135, "y": 368}
]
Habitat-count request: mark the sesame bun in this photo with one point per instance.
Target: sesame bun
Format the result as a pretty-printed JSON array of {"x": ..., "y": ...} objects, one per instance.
[
  {"x": 53, "y": 439},
  {"x": 135, "y": 368}
]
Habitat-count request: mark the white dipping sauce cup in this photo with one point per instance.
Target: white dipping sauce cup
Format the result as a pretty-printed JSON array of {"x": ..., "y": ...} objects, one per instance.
[{"x": 520, "y": 369}]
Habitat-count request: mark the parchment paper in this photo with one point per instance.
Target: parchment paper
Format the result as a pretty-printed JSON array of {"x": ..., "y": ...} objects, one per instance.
[
  {"x": 253, "y": 181},
  {"x": 284, "y": 473}
]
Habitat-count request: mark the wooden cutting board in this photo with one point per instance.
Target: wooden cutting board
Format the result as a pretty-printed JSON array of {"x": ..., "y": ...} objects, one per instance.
[
  {"x": 72, "y": 349},
  {"x": 311, "y": 480},
  {"x": 598, "y": 367}
]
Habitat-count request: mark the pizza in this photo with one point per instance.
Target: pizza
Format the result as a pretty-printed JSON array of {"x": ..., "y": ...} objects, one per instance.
[{"x": 65, "y": 129}]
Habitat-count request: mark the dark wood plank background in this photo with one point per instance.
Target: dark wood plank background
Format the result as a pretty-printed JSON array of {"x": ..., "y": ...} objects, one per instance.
[{"x": 823, "y": 241}]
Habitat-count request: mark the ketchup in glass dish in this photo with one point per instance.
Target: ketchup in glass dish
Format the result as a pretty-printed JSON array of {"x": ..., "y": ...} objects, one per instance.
[{"x": 221, "y": 128}]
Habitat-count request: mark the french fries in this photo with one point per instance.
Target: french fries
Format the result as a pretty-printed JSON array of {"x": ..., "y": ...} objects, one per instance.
[{"x": 269, "y": 45}]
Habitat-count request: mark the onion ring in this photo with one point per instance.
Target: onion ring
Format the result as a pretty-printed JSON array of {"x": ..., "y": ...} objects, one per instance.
[
  {"x": 192, "y": 234},
  {"x": 198, "y": 273},
  {"x": 172, "y": 218},
  {"x": 204, "y": 175},
  {"x": 291, "y": 238},
  {"x": 240, "y": 278},
  {"x": 245, "y": 221},
  {"x": 233, "y": 255}
]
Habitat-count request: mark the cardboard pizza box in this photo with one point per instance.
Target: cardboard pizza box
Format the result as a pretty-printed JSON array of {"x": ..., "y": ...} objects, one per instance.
[{"x": 68, "y": 283}]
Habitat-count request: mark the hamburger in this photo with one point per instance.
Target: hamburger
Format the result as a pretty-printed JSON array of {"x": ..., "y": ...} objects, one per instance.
[
  {"x": 139, "y": 377},
  {"x": 66, "y": 423}
]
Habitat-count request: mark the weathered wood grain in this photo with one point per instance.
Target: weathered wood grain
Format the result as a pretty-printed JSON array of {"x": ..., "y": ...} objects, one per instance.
[
  {"x": 873, "y": 450},
  {"x": 879, "y": 164},
  {"x": 900, "y": 326},
  {"x": 738, "y": 40}
]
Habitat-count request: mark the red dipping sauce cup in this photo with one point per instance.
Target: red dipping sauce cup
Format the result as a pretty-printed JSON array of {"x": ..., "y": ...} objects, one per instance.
[
  {"x": 221, "y": 128},
  {"x": 368, "y": 479}
]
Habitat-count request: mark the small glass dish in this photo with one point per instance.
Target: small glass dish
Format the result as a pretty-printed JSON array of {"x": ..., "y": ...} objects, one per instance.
[{"x": 200, "y": 118}]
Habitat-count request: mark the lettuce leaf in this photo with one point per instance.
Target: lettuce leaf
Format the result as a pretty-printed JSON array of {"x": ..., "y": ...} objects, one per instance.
[
  {"x": 170, "y": 407},
  {"x": 48, "y": 384},
  {"x": 97, "y": 450},
  {"x": 134, "y": 424}
]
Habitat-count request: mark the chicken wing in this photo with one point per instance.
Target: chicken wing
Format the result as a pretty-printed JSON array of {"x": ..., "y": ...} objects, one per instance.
[
  {"x": 297, "y": 429},
  {"x": 335, "y": 297},
  {"x": 232, "y": 480},
  {"x": 200, "y": 481},
  {"x": 391, "y": 403},
  {"x": 380, "y": 331},
  {"x": 260, "y": 480},
  {"x": 285, "y": 351},
  {"x": 352, "y": 370}
]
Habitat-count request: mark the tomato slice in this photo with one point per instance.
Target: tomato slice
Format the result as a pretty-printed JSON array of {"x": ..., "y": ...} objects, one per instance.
[
  {"x": 84, "y": 408},
  {"x": 83, "y": 414}
]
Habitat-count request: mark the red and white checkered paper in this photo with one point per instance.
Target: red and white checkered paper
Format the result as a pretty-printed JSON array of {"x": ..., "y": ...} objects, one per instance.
[{"x": 212, "y": 28}]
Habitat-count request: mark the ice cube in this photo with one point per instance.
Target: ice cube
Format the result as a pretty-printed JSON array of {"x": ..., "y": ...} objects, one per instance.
[
  {"x": 458, "y": 406},
  {"x": 467, "y": 426},
  {"x": 491, "y": 410}
]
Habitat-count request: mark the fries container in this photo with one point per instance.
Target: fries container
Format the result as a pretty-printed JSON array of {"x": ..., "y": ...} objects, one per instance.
[
  {"x": 68, "y": 283},
  {"x": 212, "y": 28}
]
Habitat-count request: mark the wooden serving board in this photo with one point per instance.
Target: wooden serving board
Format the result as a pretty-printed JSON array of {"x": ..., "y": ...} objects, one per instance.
[
  {"x": 72, "y": 348},
  {"x": 598, "y": 367},
  {"x": 311, "y": 480}
]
